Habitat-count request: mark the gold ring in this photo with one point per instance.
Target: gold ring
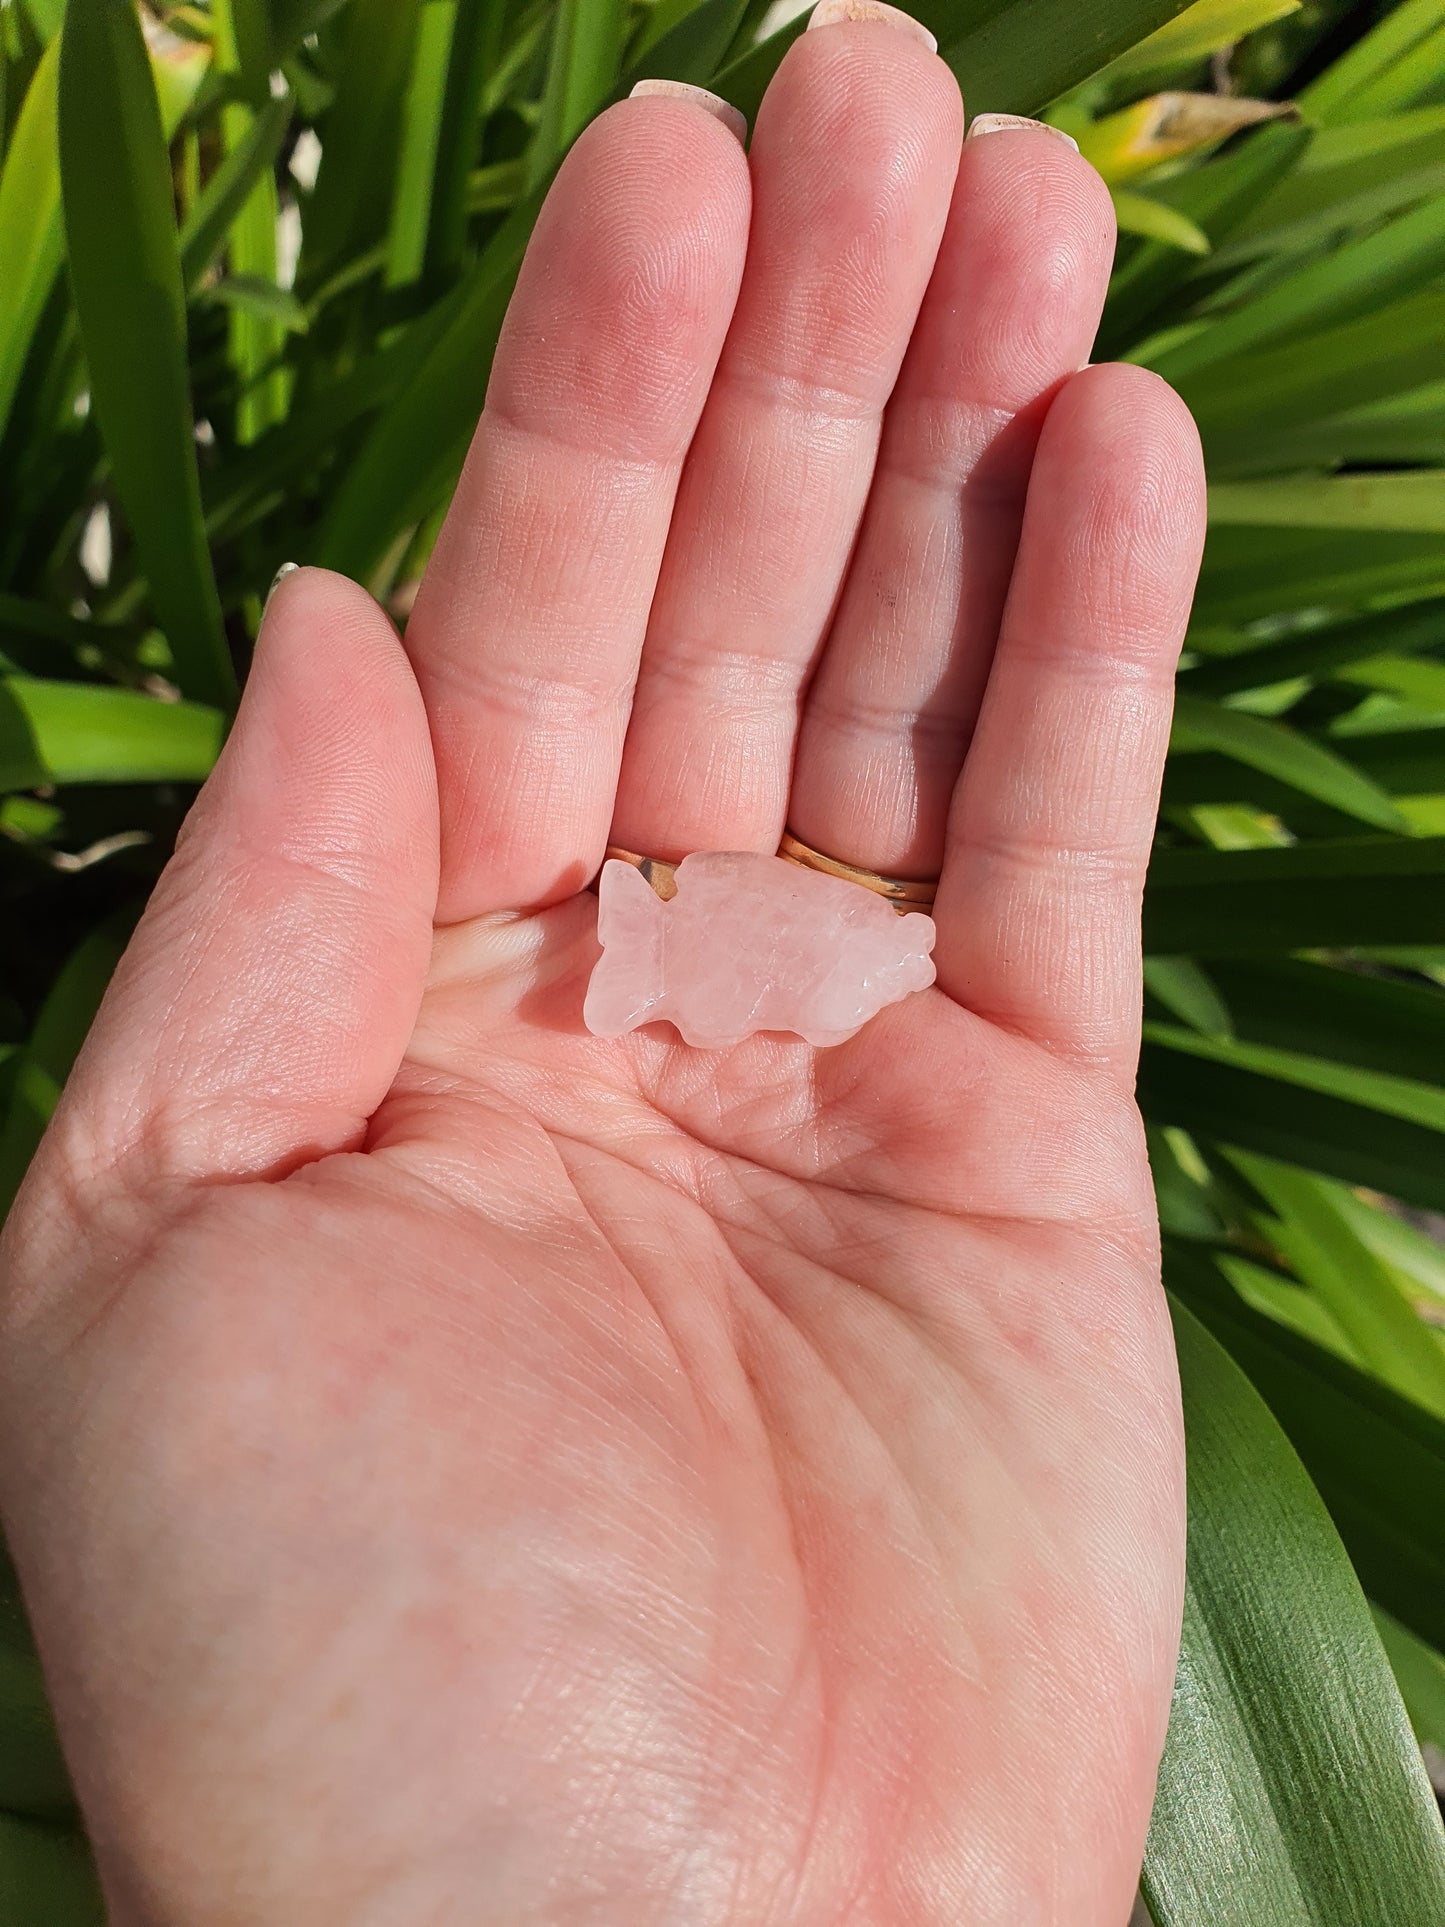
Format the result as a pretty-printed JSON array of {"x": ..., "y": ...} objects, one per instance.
[
  {"x": 662, "y": 876},
  {"x": 906, "y": 892}
]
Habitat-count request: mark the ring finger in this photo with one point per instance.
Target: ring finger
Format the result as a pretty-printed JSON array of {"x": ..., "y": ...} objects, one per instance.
[
  {"x": 853, "y": 162},
  {"x": 1011, "y": 311}
]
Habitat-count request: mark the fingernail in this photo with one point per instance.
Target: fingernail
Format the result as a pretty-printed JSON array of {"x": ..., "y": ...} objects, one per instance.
[
  {"x": 713, "y": 104},
  {"x": 286, "y": 568},
  {"x": 1001, "y": 123},
  {"x": 837, "y": 13}
]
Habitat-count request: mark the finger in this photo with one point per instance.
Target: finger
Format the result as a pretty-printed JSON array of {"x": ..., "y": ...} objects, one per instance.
[
  {"x": 266, "y": 999},
  {"x": 1049, "y": 835},
  {"x": 853, "y": 162},
  {"x": 1010, "y": 312},
  {"x": 528, "y": 626}
]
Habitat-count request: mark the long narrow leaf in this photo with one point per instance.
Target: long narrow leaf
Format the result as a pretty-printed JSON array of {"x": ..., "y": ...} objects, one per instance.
[
  {"x": 421, "y": 131},
  {"x": 1420, "y": 1675},
  {"x": 587, "y": 43},
  {"x": 415, "y": 451},
  {"x": 1400, "y": 631},
  {"x": 1242, "y": 903},
  {"x": 75, "y": 732},
  {"x": 1363, "y": 1294},
  {"x": 1376, "y": 1459},
  {"x": 1251, "y": 1110},
  {"x": 475, "y": 48},
  {"x": 230, "y": 187},
  {"x": 46, "y": 1875},
  {"x": 1405, "y": 255},
  {"x": 1343, "y": 1015},
  {"x": 1291, "y": 1794},
  {"x": 126, "y": 274},
  {"x": 1332, "y": 94},
  {"x": 32, "y": 240},
  {"x": 1283, "y": 753},
  {"x": 351, "y": 206}
]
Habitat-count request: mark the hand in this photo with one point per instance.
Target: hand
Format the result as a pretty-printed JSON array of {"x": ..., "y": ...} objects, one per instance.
[{"x": 465, "y": 1471}]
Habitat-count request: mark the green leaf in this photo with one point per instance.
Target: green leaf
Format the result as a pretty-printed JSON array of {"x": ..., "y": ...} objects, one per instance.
[
  {"x": 46, "y": 1875},
  {"x": 1400, "y": 257},
  {"x": 1362, "y": 1292},
  {"x": 216, "y": 208},
  {"x": 1201, "y": 29},
  {"x": 1419, "y": 684},
  {"x": 1413, "y": 77},
  {"x": 421, "y": 132},
  {"x": 1251, "y": 572},
  {"x": 126, "y": 275},
  {"x": 475, "y": 52},
  {"x": 75, "y": 732},
  {"x": 1407, "y": 503},
  {"x": 1420, "y": 1259},
  {"x": 1377, "y": 1460},
  {"x": 1216, "y": 196},
  {"x": 687, "y": 43},
  {"x": 254, "y": 295},
  {"x": 255, "y": 332},
  {"x": 351, "y": 207},
  {"x": 243, "y": 31},
  {"x": 1184, "y": 1082},
  {"x": 1137, "y": 214},
  {"x": 1334, "y": 646},
  {"x": 32, "y": 240},
  {"x": 1282, "y": 753},
  {"x": 1291, "y": 1793},
  {"x": 1184, "y": 989},
  {"x": 287, "y": 456},
  {"x": 293, "y": 20},
  {"x": 415, "y": 451},
  {"x": 47, "y": 16},
  {"x": 1420, "y": 1675},
  {"x": 587, "y": 43},
  {"x": 1333, "y": 94},
  {"x": 1011, "y": 56},
  {"x": 1241, "y": 404},
  {"x": 1350, "y": 177},
  {"x": 1015, "y": 56},
  {"x": 1411, "y": 1098},
  {"x": 1347, "y": 1016},
  {"x": 1241, "y": 903},
  {"x": 33, "y": 1776},
  {"x": 67, "y": 1014}
]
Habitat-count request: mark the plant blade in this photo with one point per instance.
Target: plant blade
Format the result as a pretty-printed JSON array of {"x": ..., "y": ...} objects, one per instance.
[
  {"x": 126, "y": 274},
  {"x": 1291, "y": 1793}
]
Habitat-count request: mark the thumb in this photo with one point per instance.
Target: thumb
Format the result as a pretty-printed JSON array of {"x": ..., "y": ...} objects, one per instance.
[{"x": 260, "y": 1012}]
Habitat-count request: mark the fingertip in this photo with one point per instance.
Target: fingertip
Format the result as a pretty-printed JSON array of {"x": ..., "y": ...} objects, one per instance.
[
  {"x": 701, "y": 98},
  {"x": 1127, "y": 425},
  {"x": 864, "y": 84},
  {"x": 629, "y": 282},
  {"x": 331, "y": 694}
]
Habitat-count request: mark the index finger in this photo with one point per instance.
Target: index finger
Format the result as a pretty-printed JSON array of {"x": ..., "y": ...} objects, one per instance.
[{"x": 528, "y": 628}]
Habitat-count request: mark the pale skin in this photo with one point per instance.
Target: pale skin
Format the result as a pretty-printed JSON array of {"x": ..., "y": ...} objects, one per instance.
[{"x": 464, "y": 1471}]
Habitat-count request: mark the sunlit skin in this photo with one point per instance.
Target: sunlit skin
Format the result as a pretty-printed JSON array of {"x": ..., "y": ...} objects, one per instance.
[{"x": 464, "y": 1471}]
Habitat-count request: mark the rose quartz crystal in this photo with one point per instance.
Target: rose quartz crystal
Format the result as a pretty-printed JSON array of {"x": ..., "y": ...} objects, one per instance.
[{"x": 750, "y": 943}]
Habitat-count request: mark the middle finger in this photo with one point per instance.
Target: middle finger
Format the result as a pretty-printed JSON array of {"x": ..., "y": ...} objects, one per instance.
[{"x": 854, "y": 157}]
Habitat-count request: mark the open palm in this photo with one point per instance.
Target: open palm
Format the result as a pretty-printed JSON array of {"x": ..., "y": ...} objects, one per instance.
[{"x": 466, "y": 1471}]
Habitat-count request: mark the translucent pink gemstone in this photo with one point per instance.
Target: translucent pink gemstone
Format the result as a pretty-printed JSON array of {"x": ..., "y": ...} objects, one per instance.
[{"x": 750, "y": 943}]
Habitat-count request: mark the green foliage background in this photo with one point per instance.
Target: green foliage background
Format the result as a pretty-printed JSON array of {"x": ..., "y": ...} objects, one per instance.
[{"x": 253, "y": 259}]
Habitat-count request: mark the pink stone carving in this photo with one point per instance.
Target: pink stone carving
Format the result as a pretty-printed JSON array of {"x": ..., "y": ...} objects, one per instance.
[{"x": 750, "y": 943}]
